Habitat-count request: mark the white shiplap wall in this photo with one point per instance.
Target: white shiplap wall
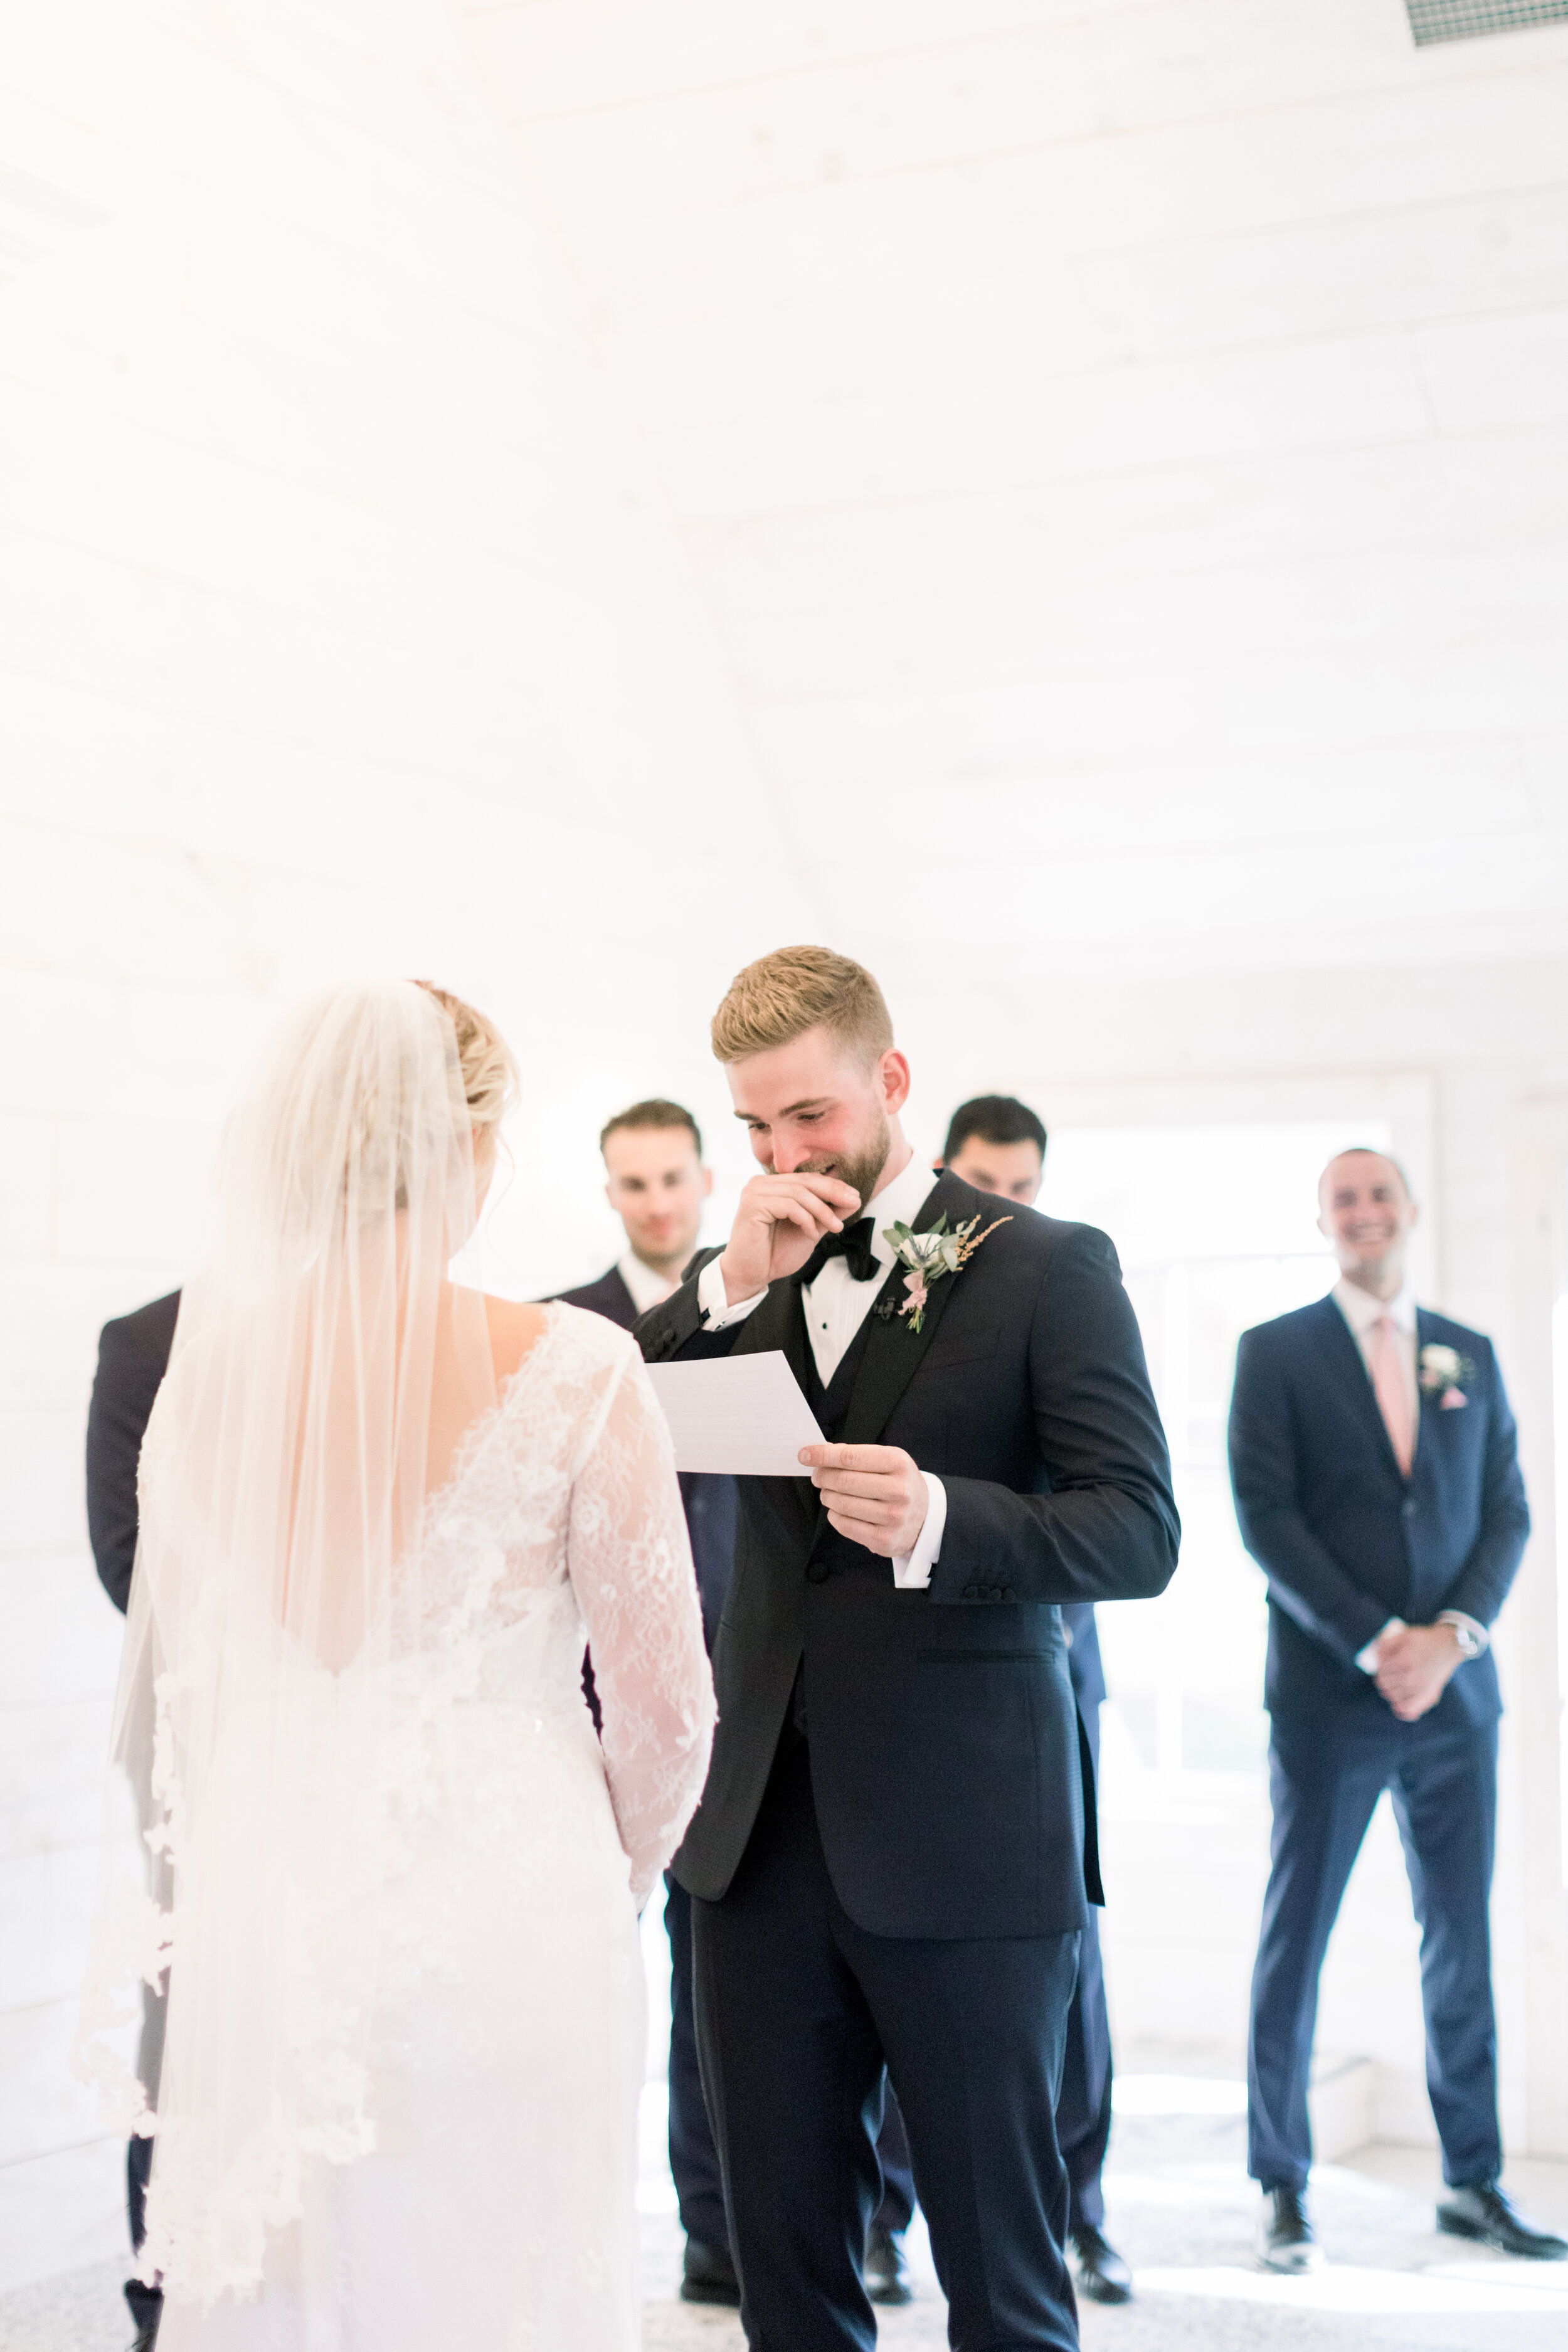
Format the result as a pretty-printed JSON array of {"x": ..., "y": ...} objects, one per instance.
[
  {"x": 1125, "y": 442},
  {"x": 1133, "y": 434},
  {"x": 340, "y": 629}
]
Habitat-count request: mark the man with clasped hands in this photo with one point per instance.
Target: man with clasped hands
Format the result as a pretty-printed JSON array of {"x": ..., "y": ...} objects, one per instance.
[
  {"x": 894, "y": 1852},
  {"x": 1376, "y": 1479}
]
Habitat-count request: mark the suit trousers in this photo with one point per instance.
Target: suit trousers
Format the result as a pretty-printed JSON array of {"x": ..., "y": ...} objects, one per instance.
[
  {"x": 694, "y": 2157},
  {"x": 1083, "y": 2111},
  {"x": 1325, "y": 1781},
  {"x": 798, "y": 2012}
]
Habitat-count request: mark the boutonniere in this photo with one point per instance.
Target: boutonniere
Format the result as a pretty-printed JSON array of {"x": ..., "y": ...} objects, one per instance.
[
  {"x": 926, "y": 1258},
  {"x": 1440, "y": 1373}
]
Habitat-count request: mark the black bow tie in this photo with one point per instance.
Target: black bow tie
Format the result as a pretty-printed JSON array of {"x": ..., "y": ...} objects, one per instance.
[{"x": 852, "y": 1245}]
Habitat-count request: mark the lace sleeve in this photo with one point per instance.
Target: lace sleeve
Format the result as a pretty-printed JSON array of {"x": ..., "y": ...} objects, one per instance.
[{"x": 629, "y": 1560}]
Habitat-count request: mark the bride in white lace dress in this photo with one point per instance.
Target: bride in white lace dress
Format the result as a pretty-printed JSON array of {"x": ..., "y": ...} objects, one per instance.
[{"x": 396, "y": 1876}]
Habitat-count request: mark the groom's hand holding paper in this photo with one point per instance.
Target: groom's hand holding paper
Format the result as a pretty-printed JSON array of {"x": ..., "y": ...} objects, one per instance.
[{"x": 876, "y": 1494}]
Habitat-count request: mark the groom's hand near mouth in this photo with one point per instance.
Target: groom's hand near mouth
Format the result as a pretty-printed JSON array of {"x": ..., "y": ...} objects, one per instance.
[
  {"x": 876, "y": 1494},
  {"x": 779, "y": 1223}
]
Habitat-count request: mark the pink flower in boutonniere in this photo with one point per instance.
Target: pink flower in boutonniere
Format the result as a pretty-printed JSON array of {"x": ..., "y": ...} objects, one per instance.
[
  {"x": 1439, "y": 1372},
  {"x": 927, "y": 1256}
]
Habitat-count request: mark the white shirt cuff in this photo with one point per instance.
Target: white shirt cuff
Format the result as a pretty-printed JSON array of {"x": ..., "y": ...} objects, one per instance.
[
  {"x": 718, "y": 1313},
  {"x": 1365, "y": 1659},
  {"x": 911, "y": 1570},
  {"x": 1458, "y": 1617}
]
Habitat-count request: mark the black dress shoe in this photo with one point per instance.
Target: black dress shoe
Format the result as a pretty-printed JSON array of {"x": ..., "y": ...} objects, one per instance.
[
  {"x": 1102, "y": 2275},
  {"x": 1286, "y": 2240},
  {"x": 887, "y": 2273},
  {"x": 708, "y": 2275},
  {"x": 1482, "y": 2211}
]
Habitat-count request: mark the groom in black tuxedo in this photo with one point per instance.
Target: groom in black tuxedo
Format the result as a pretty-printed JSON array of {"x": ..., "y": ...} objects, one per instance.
[{"x": 894, "y": 1854}]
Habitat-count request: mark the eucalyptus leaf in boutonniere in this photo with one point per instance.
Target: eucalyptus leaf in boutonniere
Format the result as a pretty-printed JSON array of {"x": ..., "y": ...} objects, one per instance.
[
  {"x": 926, "y": 1258},
  {"x": 1440, "y": 1373}
]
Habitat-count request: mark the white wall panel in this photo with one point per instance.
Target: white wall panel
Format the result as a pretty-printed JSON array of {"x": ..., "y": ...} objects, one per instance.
[
  {"x": 1078, "y": 620},
  {"x": 1102, "y": 74},
  {"x": 1369, "y": 270},
  {"x": 932, "y": 443},
  {"x": 1423, "y": 143},
  {"x": 1276, "y": 510},
  {"x": 564, "y": 55}
]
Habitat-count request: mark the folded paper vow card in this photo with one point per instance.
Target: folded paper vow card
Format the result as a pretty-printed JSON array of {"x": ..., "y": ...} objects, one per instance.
[{"x": 744, "y": 1414}]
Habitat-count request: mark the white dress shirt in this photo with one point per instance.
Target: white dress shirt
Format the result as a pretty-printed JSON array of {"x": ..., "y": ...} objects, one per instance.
[
  {"x": 835, "y": 1305},
  {"x": 1362, "y": 1312},
  {"x": 649, "y": 1287}
]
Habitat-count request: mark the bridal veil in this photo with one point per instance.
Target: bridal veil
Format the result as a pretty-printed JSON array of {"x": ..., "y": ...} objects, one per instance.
[{"x": 289, "y": 1652}]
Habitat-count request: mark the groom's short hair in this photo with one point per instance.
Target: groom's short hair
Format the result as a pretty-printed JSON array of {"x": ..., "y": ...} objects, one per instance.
[{"x": 782, "y": 995}]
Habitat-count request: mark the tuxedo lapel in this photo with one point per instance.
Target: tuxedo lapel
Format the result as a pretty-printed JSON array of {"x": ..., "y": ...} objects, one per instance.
[
  {"x": 1348, "y": 1369},
  {"x": 893, "y": 1351}
]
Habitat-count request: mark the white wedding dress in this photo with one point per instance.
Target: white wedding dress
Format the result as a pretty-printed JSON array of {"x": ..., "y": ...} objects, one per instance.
[{"x": 455, "y": 2164}]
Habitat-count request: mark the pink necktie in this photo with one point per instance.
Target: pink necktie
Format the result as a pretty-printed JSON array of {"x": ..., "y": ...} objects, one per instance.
[{"x": 1388, "y": 1385}]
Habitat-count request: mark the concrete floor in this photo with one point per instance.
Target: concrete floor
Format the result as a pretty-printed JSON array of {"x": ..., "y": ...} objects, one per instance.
[{"x": 1182, "y": 2209}]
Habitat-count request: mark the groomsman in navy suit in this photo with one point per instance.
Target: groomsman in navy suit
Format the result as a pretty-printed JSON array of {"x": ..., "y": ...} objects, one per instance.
[
  {"x": 656, "y": 1182},
  {"x": 998, "y": 1145},
  {"x": 1373, "y": 1461}
]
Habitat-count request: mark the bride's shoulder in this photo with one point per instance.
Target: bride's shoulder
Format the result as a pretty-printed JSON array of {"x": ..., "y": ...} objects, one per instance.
[
  {"x": 515, "y": 1327},
  {"x": 586, "y": 1340},
  {"x": 592, "y": 1340}
]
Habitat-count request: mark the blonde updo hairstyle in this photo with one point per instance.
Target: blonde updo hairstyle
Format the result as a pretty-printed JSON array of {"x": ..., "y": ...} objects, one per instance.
[{"x": 486, "y": 1064}]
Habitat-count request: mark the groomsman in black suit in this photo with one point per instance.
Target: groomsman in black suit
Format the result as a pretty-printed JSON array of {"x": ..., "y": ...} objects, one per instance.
[
  {"x": 998, "y": 1145},
  {"x": 656, "y": 1182},
  {"x": 132, "y": 1357},
  {"x": 894, "y": 1856},
  {"x": 1377, "y": 1484}
]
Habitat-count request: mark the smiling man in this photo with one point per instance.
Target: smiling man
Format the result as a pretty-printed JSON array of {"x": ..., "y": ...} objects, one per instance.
[
  {"x": 1377, "y": 1485},
  {"x": 892, "y": 1860}
]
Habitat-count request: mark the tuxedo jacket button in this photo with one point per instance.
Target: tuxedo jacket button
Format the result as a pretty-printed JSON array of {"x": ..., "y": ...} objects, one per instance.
[
  {"x": 972, "y": 1592},
  {"x": 816, "y": 1571},
  {"x": 1007, "y": 1593}
]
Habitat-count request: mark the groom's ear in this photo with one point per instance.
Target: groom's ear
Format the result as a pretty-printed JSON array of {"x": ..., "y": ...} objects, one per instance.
[
  {"x": 893, "y": 1071},
  {"x": 706, "y": 1186}
]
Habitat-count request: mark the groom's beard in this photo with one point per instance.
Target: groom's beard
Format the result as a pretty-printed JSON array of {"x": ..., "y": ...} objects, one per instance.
[{"x": 863, "y": 1167}]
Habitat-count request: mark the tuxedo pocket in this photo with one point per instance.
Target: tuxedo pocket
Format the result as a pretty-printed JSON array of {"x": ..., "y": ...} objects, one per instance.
[
  {"x": 963, "y": 1347},
  {"x": 983, "y": 1657}
]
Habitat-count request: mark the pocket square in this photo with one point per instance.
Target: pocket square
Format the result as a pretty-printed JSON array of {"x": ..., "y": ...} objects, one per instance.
[{"x": 1451, "y": 1400}]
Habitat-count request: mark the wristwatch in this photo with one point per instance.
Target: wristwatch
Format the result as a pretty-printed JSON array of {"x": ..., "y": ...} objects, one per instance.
[{"x": 1468, "y": 1640}]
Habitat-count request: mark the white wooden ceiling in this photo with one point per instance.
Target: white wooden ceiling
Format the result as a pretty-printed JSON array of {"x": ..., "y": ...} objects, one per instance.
[{"x": 1123, "y": 444}]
